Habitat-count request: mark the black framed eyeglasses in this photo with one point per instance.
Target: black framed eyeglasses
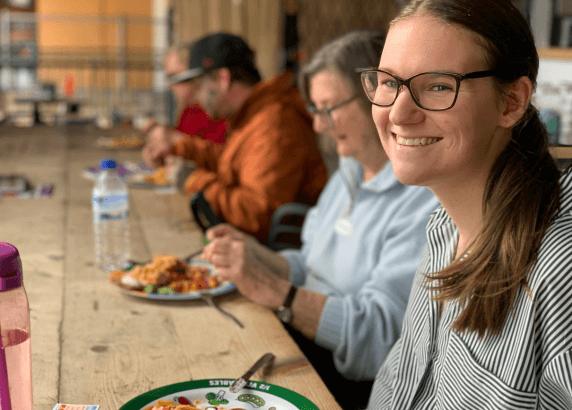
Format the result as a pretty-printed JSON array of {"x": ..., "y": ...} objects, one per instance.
[
  {"x": 327, "y": 112},
  {"x": 432, "y": 91}
]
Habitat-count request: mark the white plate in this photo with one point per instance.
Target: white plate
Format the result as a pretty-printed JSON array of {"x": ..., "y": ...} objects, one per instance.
[
  {"x": 139, "y": 181},
  {"x": 214, "y": 394}
]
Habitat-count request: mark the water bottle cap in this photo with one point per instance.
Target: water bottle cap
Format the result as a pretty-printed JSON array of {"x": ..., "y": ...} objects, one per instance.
[
  {"x": 10, "y": 267},
  {"x": 108, "y": 163}
]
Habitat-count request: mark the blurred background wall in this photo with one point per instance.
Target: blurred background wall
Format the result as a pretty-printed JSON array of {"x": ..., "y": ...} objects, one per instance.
[
  {"x": 109, "y": 53},
  {"x": 320, "y": 21},
  {"x": 259, "y": 22}
]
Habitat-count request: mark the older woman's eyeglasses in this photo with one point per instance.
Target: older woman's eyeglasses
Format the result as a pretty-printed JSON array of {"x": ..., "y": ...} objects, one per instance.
[
  {"x": 433, "y": 91},
  {"x": 327, "y": 112}
]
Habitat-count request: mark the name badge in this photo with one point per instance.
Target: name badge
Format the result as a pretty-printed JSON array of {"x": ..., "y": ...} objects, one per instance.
[{"x": 344, "y": 227}]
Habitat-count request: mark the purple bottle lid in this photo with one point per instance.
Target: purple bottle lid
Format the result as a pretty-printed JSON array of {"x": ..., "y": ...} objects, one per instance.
[{"x": 10, "y": 267}]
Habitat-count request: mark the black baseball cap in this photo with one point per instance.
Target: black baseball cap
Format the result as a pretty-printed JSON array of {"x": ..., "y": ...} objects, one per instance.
[{"x": 220, "y": 50}]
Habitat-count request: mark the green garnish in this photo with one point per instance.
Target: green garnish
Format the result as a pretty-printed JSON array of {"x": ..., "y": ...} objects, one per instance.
[{"x": 165, "y": 290}]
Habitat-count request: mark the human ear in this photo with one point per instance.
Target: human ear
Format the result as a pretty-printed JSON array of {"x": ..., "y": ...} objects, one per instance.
[
  {"x": 516, "y": 101},
  {"x": 223, "y": 79}
]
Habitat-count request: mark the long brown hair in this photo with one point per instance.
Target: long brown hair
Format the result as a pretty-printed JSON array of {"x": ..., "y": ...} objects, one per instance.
[{"x": 522, "y": 191}]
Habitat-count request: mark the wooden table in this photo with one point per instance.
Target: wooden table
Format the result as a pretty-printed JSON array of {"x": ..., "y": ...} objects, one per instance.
[{"x": 92, "y": 344}]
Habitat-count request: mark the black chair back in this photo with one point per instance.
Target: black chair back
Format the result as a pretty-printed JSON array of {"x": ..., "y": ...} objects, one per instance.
[
  {"x": 286, "y": 226},
  {"x": 203, "y": 213}
]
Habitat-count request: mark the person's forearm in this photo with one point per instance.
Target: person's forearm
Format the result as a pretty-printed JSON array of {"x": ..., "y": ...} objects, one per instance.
[
  {"x": 306, "y": 312},
  {"x": 306, "y": 308},
  {"x": 271, "y": 292},
  {"x": 269, "y": 259}
]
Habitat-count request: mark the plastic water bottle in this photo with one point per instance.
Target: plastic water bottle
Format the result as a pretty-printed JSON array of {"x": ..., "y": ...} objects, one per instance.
[
  {"x": 110, "y": 204},
  {"x": 15, "y": 346}
]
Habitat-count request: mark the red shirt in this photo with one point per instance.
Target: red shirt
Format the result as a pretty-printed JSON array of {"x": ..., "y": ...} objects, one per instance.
[{"x": 194, "y": 121}]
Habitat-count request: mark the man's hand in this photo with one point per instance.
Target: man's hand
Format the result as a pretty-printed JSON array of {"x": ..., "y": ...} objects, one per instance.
[
  {"x": 160, "y": 141},
  {"x": 144, "y": 124},
  {"x": 177, "y": 170}
]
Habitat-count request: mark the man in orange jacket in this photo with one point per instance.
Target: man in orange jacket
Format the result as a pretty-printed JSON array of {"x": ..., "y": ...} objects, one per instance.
[{"x": 270, "y": 156}]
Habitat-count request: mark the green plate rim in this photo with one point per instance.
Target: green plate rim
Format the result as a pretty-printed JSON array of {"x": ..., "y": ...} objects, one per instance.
[{"x": 138, "y": 402}]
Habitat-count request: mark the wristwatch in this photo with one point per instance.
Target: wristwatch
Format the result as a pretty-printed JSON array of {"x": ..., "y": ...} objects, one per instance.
[{"x": 284, "y": 312}]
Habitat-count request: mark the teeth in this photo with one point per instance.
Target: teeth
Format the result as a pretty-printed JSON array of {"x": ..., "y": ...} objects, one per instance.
[{"x": 415, "y": 141}]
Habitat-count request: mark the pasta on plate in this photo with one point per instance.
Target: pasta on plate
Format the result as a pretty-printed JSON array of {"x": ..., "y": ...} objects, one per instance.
[{"x": 168, "y": 273}]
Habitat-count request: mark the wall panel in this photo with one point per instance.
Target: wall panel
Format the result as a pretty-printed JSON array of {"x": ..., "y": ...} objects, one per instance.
[
  {"x": 323, "y": 20},
  {"x": 259, "y": 22}
]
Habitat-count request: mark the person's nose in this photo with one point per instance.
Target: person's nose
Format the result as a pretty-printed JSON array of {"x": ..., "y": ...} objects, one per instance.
[
  {"x": 404, "y": 109},
  {"x": 321, "y": 123}
]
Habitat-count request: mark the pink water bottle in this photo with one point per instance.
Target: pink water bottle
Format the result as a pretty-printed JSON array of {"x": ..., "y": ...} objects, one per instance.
[{"x": 15, "y": 346}]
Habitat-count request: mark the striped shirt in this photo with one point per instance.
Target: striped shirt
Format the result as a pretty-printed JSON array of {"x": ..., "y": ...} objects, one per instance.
[{"x": 528, "y": 366}]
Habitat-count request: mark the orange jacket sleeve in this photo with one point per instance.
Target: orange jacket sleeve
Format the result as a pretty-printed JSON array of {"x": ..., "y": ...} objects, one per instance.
[
  {"x": 204, "y": 152},
  {"x": 268, "y": 171}
]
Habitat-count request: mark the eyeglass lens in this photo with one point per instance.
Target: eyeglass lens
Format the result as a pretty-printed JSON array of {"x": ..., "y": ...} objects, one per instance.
[
  {"x": 326, "y": 113},
  {"x": 432, "y": 91}
]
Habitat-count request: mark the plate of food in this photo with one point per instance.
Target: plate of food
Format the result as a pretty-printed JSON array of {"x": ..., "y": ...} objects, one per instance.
[
  {"x": 124, "y": 142},
  {"x": 157, "y": 178},
  {"x": 169, "y": 278},
  {"x": 213, "y": 394}
]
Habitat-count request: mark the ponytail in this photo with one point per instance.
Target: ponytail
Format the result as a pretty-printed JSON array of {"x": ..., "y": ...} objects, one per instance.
[{"x": 521, "y": 198}]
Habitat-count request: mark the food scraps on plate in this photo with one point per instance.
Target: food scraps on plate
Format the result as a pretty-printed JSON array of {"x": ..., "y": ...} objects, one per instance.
[{"x": 166, "y": 274}]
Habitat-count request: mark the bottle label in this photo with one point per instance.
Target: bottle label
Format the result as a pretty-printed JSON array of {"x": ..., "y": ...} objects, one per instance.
[
  {"x": 109, "y": 216},
  {"x": 110, "y": 201},
  {"x": 110, "y": 207}
]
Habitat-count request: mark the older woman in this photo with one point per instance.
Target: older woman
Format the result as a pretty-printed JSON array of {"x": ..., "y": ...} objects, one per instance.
[
  {"x": 344, "y": 293},
  {"x": 488, "y": 324}
]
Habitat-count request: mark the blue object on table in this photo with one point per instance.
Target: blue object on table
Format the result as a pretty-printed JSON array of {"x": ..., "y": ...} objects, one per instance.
[{"x": 551, "y": 119}]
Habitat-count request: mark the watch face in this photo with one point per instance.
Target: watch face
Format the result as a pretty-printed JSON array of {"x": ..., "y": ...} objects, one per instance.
[{"x": 284, "y": 314}]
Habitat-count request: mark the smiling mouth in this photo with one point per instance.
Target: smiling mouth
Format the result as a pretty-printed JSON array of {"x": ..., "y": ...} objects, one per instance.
[{"x": 415, "y": 141}]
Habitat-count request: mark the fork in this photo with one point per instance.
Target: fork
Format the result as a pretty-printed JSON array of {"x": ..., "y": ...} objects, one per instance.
[
  {"x": 185, "y": 259},
  {"x": 238, "y": 384},
  {"x": 207, "y": 297}
]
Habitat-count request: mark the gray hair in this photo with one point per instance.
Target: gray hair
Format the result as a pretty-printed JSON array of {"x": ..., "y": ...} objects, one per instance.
[{"x": 343, "y": 55}]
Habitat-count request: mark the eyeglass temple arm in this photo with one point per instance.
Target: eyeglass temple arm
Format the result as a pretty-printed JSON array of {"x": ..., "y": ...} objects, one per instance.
[
  {"x": 480, "y": 74},
  {"x": 361, "y": 70}
]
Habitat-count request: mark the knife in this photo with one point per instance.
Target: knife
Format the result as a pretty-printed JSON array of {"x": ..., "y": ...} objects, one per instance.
[{"x": 239, "y": 383}]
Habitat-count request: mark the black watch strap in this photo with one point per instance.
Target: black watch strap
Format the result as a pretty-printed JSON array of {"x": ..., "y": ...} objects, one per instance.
[
  {"x": 290, "y": 297},
  {"x": 284, "y": 312}
]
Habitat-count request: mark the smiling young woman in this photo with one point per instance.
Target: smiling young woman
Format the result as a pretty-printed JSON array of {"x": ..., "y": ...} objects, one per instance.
[
  {"x": 472, "y": 156},
  {"x": 488, "y": 322}
]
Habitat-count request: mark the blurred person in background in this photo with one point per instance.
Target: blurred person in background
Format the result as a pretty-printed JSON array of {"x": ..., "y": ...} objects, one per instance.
[
  {"x": 344, "y": 293},
  {"x": 489, "y": 320},
  {"x": 271, "y": 155},
  {"x": 193, "y": 120}
]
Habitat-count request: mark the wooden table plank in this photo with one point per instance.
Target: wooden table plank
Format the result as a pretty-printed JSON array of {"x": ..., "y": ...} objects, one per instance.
[
  {"x": 35, "y": 227},
  {"x": 563, "y": 152}
]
